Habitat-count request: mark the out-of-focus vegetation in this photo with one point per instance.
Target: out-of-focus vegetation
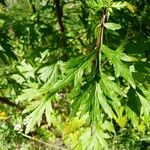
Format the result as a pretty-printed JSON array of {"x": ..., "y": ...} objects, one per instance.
[{"x": 74, "y": 74}]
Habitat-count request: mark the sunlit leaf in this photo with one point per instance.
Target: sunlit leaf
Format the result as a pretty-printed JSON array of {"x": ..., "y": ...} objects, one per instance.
[
  {"x": 145, "y": 108},
  {"x": 112, "y": 26},
  {"x": 35, "y": 117},
  {"x": 28, "y": 94},
  {"x": 102, "y": 100},
  {"x": 97, "y": 140},
  {"x": 120, "y": 68},
  {"x": 118, "y": 5},
  {"x": 130, "y": 6},
  {"x": 48, "y": 73},
  {"x": 26, "y": 69}
]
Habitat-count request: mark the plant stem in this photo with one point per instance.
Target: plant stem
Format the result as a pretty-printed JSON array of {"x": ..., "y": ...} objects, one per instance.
[
  {"x": 5, "y": 100},
  {"x": 32, "y": 6},
  {"x": 99, "y": 41},
  {"x": 59, "y": 12},
  {"x": 45, "y": 143}
]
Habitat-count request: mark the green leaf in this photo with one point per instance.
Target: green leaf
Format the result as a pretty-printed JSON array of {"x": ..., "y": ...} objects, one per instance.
[
  {"x": 121, "y": 48},
  {"x": 112, "y": 90},
  {"x": 83, "y": 96},
  {"x": 49, "y": 112},
  {"x": 133, "y": 100},
  {"x": 130, "y": 6},
  {"x": 18, "y": 78},
  {"x": 71, "y": 73},
  {"x": 97, "y": 5},
  {"x": 28, "y": 94},
  {"x": 112, "y": 26},
  {"x": 48, "y": 73},
  {"x": 102, "y": 100},
  {"x": 107, "y": 125},
  {"x": 95, "y": 111},
  {"x": 127, "y": 58},
  {"x": 97, "y": 140},
  {"x": 132, "y": 115},
  {"x": 26, "y": 69},
  {"x": 88, "y": 106},
  {"x": 35, "y": 117},
  {"x": 78, "y": 78},
  {"x": 119, "y": 67},
  {"x": 101, "y": 137},
  {"x": 112, "y": 86},
  {"x": 118, "y": 5},
  {"x": 145, "y": 109},
  {"x": 33, "y": 105}
]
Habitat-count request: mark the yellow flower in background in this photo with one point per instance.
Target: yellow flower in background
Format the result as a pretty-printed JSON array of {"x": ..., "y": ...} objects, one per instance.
[
  {"x": 3, "y": 115},
  {"x": 73, "y": 125}
]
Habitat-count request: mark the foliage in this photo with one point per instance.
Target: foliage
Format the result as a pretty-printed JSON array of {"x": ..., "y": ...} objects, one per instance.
[{"x": 76, "y": 72}]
